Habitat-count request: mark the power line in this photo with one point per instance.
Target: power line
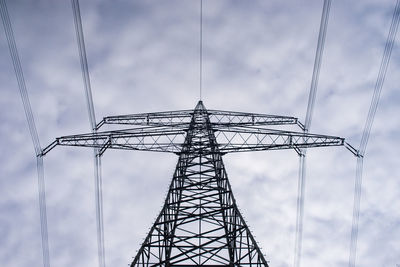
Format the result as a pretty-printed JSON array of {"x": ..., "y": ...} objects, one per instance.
[
  {"x": 201, "y": 49},
  {"x": 20, "y": 76},
  {"x": 317, "y": 62},
  {"x": 43, "y": 211},
  {"x": 32, "y": 129},
  {"x": 83, "y": 61},
  {"x": 90, "y": 107},
  {"x": 367, "y": 130},
  {"x": 381, "y": 78},
  {"x": 300, "y": 210},
  {"x": 310, "y": 108}
]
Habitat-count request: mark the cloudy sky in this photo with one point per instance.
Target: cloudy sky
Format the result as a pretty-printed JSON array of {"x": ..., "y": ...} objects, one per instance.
[{"x": 143, "y": 57}]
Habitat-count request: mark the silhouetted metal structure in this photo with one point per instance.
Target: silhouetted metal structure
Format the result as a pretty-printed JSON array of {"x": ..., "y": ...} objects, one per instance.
[{"x": 199, "y": 224}]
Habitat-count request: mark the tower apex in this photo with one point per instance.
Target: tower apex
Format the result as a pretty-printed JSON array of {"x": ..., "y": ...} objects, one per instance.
[{"x": 200, "y": 106}]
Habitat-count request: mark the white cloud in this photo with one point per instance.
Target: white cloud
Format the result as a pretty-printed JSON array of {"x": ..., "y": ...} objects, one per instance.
[{"x": 143, "y": 56}]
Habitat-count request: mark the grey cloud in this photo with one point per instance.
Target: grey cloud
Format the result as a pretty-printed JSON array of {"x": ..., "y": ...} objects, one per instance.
[{"x": 143, "y": 56}]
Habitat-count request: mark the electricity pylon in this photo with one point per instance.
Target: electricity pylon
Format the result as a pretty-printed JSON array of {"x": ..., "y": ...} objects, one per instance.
[{"x": 199, "y": 224}]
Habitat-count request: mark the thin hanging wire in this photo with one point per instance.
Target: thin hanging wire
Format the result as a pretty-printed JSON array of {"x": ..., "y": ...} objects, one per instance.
[
  {"x": 99, "y": 208},
  {"x": 367, "y": 130},
  {"x": 43, "y": 211},
  {"x": 90, "y": 107},
  {"x": 381, "y": 78},
  {"x": 300, "y": 210},
  {"x": 317, "y": 62},
  {"x": 32, "y": 129},
  {"x": 310, "y": 108},
  {"x": 84, "y": 63},
  {"x": 201, "y": 49}
]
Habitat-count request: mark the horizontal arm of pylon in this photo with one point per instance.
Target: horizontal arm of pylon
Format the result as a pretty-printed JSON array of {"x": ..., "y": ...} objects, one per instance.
[
  {"x": 170, "y": 139},
  {"x": 183, "y": 118},
  {"x": 147, "y": 139},
  {"x": 240, "y": 139},
  {"x": 231, "y": 118},
  {"x": 168, "y": 118}
]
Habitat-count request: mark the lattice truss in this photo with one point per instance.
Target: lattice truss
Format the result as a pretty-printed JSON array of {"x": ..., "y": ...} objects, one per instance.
[
  {"x": 199, "y": 223},
  {"x": 166, "y": 132}
]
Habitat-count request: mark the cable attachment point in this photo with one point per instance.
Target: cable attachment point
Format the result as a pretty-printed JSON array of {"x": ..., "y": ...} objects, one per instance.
[{"x": 354, "y": 151}]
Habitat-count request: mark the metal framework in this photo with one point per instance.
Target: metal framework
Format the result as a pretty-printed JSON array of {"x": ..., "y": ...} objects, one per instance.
[{"x": 199, "y": 224}]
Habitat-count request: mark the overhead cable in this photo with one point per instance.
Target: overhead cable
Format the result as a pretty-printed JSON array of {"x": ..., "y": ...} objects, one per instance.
[
  {"x": 92, "y": 119},
  {"x": 300, "y": 210},
  {"x": 83, "y": 61},
  {"x": 317, "y": 63},
  {"x": 201, "y": 49},
  {"x": 310, "y": 108},
  {"x": 381, "y": 78},
  {"x": 32, "y": 129},
  {"x": 367, "y": 130}
]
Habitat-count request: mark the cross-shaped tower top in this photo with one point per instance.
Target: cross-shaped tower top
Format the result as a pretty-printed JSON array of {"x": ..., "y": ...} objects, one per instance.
[{"x": 199, "y": 223}]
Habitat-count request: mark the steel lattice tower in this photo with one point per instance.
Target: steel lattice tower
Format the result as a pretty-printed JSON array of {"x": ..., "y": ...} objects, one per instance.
[{"x": 199, "y": 224}]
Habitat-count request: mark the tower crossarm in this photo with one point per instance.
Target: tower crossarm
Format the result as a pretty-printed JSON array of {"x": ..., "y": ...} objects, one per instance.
[
  {"x": 183, "y": 117},
  {"x": 231, "y": 118},
  {"x": 148, "y": 139},
  {"x": 168, "y": 118},
  {"x": 240, "y": 139}
]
